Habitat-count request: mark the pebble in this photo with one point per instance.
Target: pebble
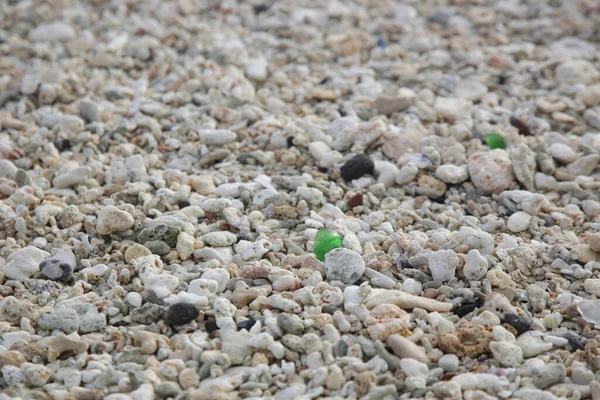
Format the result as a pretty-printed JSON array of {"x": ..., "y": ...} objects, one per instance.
[
  {"x": 442, "y": 264},
  {"x": 491, "y": 171},
  {"x": 343, "y": 265},
  {"x": 404, "y": 348},
  {"x": 59, "y": 267},
  {"x": 166, "y": 176},
  {"x": 52, "y": 32},
  {"x": 518, "y": 222},
  {"x": 112, "y": 220},
  {"x": 357, "y": 167}
]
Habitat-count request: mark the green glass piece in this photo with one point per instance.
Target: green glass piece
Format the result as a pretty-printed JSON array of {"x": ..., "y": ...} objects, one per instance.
[
  {"x": 496, "y": 141},
  {"x": 325, "y": 241}
]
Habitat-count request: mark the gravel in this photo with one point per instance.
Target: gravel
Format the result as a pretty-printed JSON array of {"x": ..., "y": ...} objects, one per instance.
[{"x": 168, "y": 169}]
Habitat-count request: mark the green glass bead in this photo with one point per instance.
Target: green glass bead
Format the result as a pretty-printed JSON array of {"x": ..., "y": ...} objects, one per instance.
[
  {"x": 325, "y": 241},
  {"x": 496, "y": 141}
]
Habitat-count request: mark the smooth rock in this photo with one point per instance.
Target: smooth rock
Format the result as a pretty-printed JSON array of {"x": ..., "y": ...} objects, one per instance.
[
  {"x": 112, "y": 220},
  {"x": 54, "y": 31},
  {"x": 344, "y": 265}
]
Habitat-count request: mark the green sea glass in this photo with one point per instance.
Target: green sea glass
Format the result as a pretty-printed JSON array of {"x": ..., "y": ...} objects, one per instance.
[
  {"x": 325, "y": 241},
  {"x": 496, "y": 141}
]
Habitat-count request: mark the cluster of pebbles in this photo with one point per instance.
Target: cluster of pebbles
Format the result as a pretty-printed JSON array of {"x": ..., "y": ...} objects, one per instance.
[{"x": 165, "y": 167}]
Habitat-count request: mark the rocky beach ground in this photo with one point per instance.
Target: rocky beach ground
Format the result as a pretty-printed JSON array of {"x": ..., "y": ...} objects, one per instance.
[{"x": 299, "y": 199}]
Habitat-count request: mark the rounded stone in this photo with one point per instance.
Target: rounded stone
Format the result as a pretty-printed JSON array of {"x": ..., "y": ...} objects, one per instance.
[
  {"x": 356, "y": 167},
  {"x": 182, "y": 313},
  {"x": 112, "y": 220},
  {"x": 491, "y": 171},
  {"x": 344, "y": 265},
  {"x": 158, "y": 247},
  {"x": 518, "y": 222}
]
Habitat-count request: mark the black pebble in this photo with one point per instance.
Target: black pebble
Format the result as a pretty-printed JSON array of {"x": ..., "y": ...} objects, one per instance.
[
  {"x": 247, "y": 324},
  {"x": 466, "y": 308},
  {"x": 183, "y": 204},
  {"x": 211, "y": 326},
  {"x": 61, "y": 144},
  {"x": 402, "y": 262},
  {"x": 523, "y": 129},
  {"x": 519, "y": 323},
  {"x": 290, "y": 141},
  {"x": 356, "y": 167},
  {"x": 260, "y": 8},
  {"x": 182, "y": 313},
  {"x": 575, "y": 341},
  {"x": 340, "y": 348}
]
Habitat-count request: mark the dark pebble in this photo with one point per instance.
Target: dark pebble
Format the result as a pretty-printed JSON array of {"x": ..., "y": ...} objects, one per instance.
[
  {"x": 183, "y": 204},
  {"x": 119, "y": 323},
  {"x": 381, "y": 43},
  {"x": 466, "y": 308},
  {"x": 290, "y": 141},
  {"x": 260, "y": 8},
  {"x": 162, "y": 232},
  {"x": 402, "y": 262},
  {"x": 521, "y": 324},
  {"x": 146, "y": 314},
  {"x": 211, "y": 326},
  {"x": 356, "y": 200},
  {"x": 182, "y": 313},
  {"x": 340, "y": 348},
  {"x": 61, "y": 144},
  {"x": 575, "y": 341},
  {"x": 247, "y": 324},
  {"x": 520, "y": 125},
  {"x": 356, "y": 167}
]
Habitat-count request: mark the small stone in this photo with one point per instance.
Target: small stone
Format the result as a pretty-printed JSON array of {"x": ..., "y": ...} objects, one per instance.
[
  {"x": 476, "y": 266},
  {"x": 65, "y": 319},
  {"x": 73, "y": 177},
  {"x": 135, "y": 251},
  {"x": 389, "y": 104},
  {"x": 405, "y": 348},
  {"x": 219, "y": 239},
  {"x": 562, "y": 153},
  {"x": 202, "y": 184},
  {"x": 23, "y": 263},
  {"x": 453, "y": 109},
  {"x": 453, "y": 174},
  {"x": 59, "y": 267},
  {"x": 518, "y": 222},
  {"x": 508, "y": 354},
  {"x": 290, "y": 323},
  {"x": 89, "y": 111},
  {"x": 256, "y": 69},
  {"x": 158, "y": 247},
  {"x": 449, "y": 362},
  {"x": 344, "y": 265},
  {"x": 491, "y": 171},
  {"x": 532, "y": 345},
  {"x": 576, "y": 71},
  {"x": 325, "y": 241},
  {"x": 442, "y": 265},
  {"x": 185, "y": 245},
  {"x": 470, "y": 89},
  {"x": 55, "y": 31},
  {"x": 134, "y": 298},
  {"x": 112, "y": 220},
  {"x": 548, "y": 375},
  {"x": 590, "y": 310},
  {"x": 161, "y": 232},
  {"x": 182, "y": 313},
  {"x": 356, "y": 167}
]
